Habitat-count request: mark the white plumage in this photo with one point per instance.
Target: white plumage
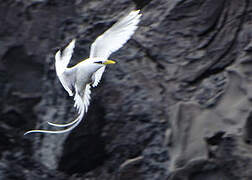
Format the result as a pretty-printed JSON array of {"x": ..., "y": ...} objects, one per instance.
[
  {"x": 115, "y": 37},
  {"x": 61, "y": 62},
  {"x": 87, "y": 73}
]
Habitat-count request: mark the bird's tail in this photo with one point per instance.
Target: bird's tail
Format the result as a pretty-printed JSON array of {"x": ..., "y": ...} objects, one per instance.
[
  {"x": 80, "y": 109},
  {"x": 81, "y": 104},
  {"x": 72, "y": 124}
]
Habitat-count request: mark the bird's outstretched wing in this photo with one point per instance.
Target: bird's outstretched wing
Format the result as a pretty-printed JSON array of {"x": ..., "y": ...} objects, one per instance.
[
  {"x": 62, "y": 59},
  {"x": 97, "y": 76},
  {"x": 113, "y": 39},
  {"x": 116, "y": 36},
  {"x": 82, "y": 101}
]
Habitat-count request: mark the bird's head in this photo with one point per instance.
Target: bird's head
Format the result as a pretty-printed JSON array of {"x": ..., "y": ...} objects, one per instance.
[{"x": 104, "y": 62}]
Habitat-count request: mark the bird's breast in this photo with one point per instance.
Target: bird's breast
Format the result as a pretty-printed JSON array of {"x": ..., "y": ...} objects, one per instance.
[{"x": 84, "y": 73}]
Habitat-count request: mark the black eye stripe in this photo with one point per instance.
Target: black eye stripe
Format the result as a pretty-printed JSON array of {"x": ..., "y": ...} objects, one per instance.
[{"x": 99, "y": 62}]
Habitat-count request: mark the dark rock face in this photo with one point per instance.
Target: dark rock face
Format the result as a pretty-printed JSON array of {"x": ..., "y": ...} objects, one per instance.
[{"x": 176, "y": 106}]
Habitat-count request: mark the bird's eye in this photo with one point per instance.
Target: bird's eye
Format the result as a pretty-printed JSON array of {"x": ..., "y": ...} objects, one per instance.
[{"x": 98, "y": 62}]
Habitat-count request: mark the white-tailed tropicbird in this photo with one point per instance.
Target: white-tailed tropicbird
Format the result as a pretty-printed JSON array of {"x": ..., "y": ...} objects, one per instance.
[{"x": 79, "y": 78}]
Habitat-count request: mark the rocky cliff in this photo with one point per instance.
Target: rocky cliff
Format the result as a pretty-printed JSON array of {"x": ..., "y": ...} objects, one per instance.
[{"x": 176, "y": 106}]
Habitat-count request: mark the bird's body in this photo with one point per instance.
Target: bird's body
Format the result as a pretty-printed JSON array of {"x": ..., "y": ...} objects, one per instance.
[{"x": 78, "y": 79}]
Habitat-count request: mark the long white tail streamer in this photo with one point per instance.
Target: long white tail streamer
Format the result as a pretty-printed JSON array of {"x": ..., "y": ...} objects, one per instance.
[{"x": 77, "y": 121}]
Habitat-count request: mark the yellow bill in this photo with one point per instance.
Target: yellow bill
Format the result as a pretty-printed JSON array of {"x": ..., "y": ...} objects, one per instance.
[{"x": 109, "y": 62}]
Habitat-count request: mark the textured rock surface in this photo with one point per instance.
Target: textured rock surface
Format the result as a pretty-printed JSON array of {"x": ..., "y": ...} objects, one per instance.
[{"x": 177, "y": 106}]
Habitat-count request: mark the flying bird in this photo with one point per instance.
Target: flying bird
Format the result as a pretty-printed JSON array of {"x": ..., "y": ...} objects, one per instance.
[{"x": 77, "y": 80}]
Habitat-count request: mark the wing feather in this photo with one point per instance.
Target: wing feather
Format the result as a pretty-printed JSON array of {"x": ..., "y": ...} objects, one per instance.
[
  {"x": 116, "y": 36},
  {"x": 113, "y": 39},
  {"x": 97, "y": 76},
  {"x": 61, "y": 62}
]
